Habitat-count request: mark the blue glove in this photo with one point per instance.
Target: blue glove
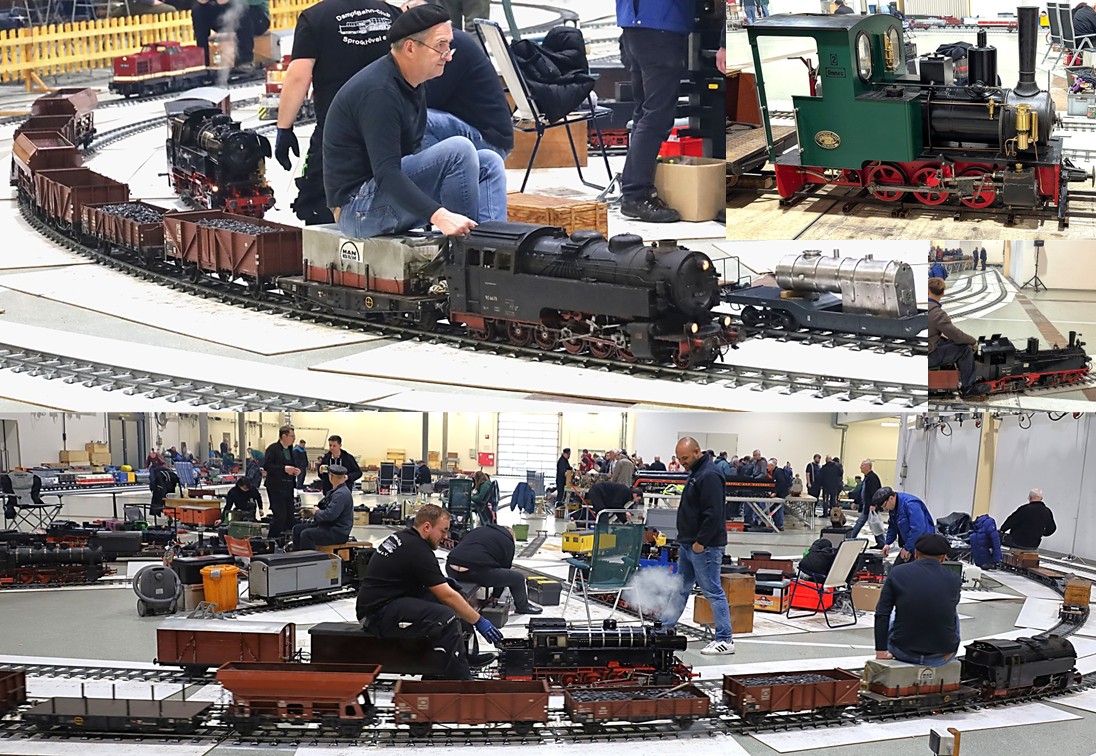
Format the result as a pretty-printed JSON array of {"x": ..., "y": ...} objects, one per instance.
[{"x": 490, "y": 633}]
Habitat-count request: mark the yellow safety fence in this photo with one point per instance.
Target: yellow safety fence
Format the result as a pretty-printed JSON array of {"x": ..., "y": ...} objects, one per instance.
[{"x": 29, "y": 54}]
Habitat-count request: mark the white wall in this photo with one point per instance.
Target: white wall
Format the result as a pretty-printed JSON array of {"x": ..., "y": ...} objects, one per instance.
[
  {"x": 869, "y": 439},
  {"x": 40, "y": 434},
  {"x": 1063, "y": 264},
  {"x": 940, "y": 469}
]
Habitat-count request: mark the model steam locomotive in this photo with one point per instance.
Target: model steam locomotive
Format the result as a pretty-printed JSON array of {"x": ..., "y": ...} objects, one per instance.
[
  {"x": 868, "y": 124},
  {"x": 847, "y": 295},
  {"x": 37, "y": 563},
  {"x": 215, "y": 164},
  {"x": 1002, "y": 368}
]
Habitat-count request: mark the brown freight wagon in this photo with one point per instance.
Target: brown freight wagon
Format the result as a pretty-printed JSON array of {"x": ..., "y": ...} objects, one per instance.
[
  {"x": 636, "y": 704},
  {"x": 331, "y": 695},
  {"x": 13, "y": 689},
  {"x": 63, "y": 125},
  {"x": 754, "y": 695},
  {"x": 198, "y": 644},
  {"x": 77, "y": 103},
  {"x": 762, "y": 560},
  {"x": 1078, "y": 592},
  {"x": 61, "y": 194},
  {"x": 1022, "y": 559},
  {"x": 116, "y": 230},
  {"x": 35, "y": 151},
  {"x": 260, "y": 258},
  {"x": 423, "y": 703}
]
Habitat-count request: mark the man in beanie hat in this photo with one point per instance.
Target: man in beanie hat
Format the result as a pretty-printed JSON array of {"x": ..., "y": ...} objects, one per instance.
[
  {"x": 909, "y": 520},
  {"x": 377, "y": 178},
  {"x": 334, "y": 515},
  {"x": 916, "y": 619}
]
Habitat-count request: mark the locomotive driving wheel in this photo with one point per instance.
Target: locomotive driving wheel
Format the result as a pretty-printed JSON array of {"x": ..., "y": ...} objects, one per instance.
[
  {"x": 546, "y": 338},
  {"x": 487, "y": 333},
  {"x": 884, "y": 174},
  {"x": 985, "y": 193},
  {"x": 625, "y": 355},
  {"x": 519, "y": 334},
  {"x": 930, "y": 194},
  {"x": 574, "y": 345},
  {"x": 684, "y": 360},
  {"x": 603, "y": 350}
]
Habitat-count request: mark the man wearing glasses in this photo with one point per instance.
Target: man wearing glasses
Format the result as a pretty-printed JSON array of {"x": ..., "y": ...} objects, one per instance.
[{"x": 376, "y": 178}]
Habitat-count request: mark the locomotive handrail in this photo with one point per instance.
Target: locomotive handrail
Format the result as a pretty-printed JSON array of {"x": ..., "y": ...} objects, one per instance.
[{"x": 29, "y": 54}]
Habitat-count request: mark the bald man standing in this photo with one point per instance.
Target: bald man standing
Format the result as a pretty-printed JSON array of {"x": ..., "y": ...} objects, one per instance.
[{"x": 701, "y": 538}]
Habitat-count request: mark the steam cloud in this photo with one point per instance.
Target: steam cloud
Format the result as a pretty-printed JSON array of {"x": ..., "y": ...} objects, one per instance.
[{"x": 654, "y": 590}]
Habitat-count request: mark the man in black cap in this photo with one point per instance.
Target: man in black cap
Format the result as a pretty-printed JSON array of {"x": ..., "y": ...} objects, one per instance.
[
  {"x": 334, "y": 40},
  {"x": 485, "y": 556},
  {"x": 916, "y": 619},
  {"x": 334, "y": 515},
  {"x": 377, "y": 178}
]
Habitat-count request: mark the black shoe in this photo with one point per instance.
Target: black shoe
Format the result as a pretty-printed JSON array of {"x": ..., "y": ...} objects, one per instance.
[
  {"x": 649, "y": 209},
  {"x": 479, "y": 661},
  {"x": 531, "y": 609}
]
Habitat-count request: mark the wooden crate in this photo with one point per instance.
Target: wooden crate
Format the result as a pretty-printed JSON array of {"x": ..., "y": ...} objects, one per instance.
[
  {"x": 742, "y": 617},
  {"x": 554, "y": 152},
  {"x": 1078, "y": 592},
  {"x": 573, "y": 215}
]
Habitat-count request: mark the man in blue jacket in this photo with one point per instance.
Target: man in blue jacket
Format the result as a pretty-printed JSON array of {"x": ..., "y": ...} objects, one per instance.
[
  {"x": 909, "y": 520},
  {"x": 334, "y": 516},
  {"x": 701, "y": 538},
  {"x": 654, "y": 48}
]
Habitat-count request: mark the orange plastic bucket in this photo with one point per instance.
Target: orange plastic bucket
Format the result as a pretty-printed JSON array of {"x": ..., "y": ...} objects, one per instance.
[{"x": 221, "y": 584}]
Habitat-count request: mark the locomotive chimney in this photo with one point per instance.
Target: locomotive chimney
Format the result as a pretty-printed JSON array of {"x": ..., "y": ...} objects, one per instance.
[{"x": 1029, "y": 38}]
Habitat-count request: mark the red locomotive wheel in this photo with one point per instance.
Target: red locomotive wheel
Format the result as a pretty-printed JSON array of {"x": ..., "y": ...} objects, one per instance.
[
  {"x": 574, "y": 346},
  {"x": 884, "y": 174},
  {"x": 985, "y": 194},
  {"x": 546, "y": 338},
  {"x": 601, "y": 349},
  {"x": 487, "y": 333},
  {"x": 519, "y": 334},
  {"x": 625, "y": 356},
  {"x": 929, "y": 196}
]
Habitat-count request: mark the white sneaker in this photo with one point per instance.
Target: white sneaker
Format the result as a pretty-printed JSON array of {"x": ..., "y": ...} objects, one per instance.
[{"x": 718, "y": 648}]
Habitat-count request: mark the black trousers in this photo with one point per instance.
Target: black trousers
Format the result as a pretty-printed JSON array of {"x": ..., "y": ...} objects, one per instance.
[
  {"x": 657, "y": 62},
  {"x": 830, "y": 499},
  {"x": 308, "y": 536},
  {"x": 281, "y": 506},
  {"x": 961, "y": 355},
  {"x": 497, "y": 579},
  {"x": 421, "y": 618},
  {"x": 311, "y": 203}
]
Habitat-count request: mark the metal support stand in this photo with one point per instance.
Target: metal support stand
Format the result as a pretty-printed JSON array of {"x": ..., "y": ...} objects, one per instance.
[{"x": 1035, "y": 282}]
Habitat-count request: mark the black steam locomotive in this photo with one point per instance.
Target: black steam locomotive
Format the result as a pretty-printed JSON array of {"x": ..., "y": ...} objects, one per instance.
[
  {"x": 1002, "y": 368},
  {"x": 215, "y": 164},
  {"x": 28, "y": 564},
  {"x": 1001, "y": 668},
  {"x": 617, "y": 299},
  {"x": 568, "y": 655}
]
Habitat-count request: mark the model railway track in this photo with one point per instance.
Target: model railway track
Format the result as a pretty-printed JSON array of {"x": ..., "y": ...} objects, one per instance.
[
  {"x": 917, "y": 345},
  {"x": 102, "y": 374}
]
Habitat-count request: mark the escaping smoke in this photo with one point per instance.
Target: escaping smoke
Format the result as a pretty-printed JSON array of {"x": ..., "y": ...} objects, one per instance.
[
  {"x": 654, "y": 590},
  {"x": 230, "y": 22}
]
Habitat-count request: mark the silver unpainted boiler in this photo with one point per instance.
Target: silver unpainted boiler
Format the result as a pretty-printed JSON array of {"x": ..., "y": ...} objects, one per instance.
[{"x": 867, "y": 286}]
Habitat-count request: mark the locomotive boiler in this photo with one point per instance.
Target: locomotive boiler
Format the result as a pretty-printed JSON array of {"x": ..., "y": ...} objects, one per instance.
[
  {"x": 869, "y": 124},
  {"x": 29, "y": 564},
  {"x": 850, "y": 295},
  {"x": 216, "y": 164},
  {"x": 617, "y": 298}
]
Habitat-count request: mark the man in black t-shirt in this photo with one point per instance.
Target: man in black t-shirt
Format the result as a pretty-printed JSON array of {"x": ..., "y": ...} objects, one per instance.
[
  {"x": 485, "y": 556},
  {"x": 334, "y": 40},
  {"x": 281, "y": 480},
  {"x": 404, "y": 594},
  {"x": 245, "y": 499}
]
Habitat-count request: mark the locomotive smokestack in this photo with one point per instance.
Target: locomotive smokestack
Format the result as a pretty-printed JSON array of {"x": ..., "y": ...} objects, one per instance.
[
  {"x": 982, "y": 38},
  {"x": 1029, "y": 38}
]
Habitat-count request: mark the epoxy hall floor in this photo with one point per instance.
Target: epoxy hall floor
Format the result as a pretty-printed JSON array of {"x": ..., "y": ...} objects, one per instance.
[{"x": 101, "y": 624}]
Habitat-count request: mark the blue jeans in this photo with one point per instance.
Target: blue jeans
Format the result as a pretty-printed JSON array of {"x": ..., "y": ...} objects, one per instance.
[
  {"x": 751, "y": 12},
  {"x": 703, "y": 570},
  {"x": 441, "y": 125},
  {"x": 931, "y": 660},
  {"x": 464, "y": 180}
]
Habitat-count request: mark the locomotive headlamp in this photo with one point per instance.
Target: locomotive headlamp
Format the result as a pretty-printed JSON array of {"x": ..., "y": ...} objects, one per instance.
[
  {"x": 726, "y": 321},
  {"x": 863, "y": 56},
  {"x": 704, "y": 265},
  {"x": 215, "y": 189},
  {"x": 694, "y": 328}
]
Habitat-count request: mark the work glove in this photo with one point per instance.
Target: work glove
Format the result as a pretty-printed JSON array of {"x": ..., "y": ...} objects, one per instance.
[
  {"x": 490, "y": 633},
  {"x": 287, "y": 141}
]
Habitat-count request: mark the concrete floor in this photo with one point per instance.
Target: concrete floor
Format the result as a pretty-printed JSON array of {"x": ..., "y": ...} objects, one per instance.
[{"x": 750, "y": 217}]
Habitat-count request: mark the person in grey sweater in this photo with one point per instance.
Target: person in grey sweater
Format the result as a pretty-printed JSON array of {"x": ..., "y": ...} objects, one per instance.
[{"x": 334, "y": 516}]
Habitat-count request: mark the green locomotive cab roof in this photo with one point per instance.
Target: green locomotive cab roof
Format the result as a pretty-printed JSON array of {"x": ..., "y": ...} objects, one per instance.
[{"x": 795, "y": 24}]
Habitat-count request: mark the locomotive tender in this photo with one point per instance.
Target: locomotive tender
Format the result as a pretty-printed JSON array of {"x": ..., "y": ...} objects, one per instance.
[{"x": 874, "y": 126}]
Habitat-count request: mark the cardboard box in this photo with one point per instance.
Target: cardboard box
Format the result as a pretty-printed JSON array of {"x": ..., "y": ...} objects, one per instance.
[
  {"x": 74, "y": 457},
  {"x": 192, "y": 596},
  {"x": 572, "y": 215},
  {"x": 100, "y": 458},
  {"x": 361, "y": 518},
  {"x": 772, "y": 596},
  {"x": 695, "y": 187},
  {"x": 866, "y": 595},
  {"x": 741, "y": 616},
  {"x": 554, "y": 151}
]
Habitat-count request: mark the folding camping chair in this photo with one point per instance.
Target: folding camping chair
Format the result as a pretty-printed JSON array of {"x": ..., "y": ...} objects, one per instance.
[
  {"x": 838, "y": 580},
  {"x": 615, "y": 558},
  {"x": 187, "y": 473},
  {"x": 1055, "y": 32},
  {"x": 23, "y": 502},
  {"x": 1069, "y": 38},
  {"x": 527, "y": 116}
]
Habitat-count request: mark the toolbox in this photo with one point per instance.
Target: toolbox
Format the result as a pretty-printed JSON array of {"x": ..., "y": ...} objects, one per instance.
[
  {"x": 240, "y": 529},
  {"x": 189, "y": 569},
  {"x": 191, "y": 515},
  {"x": 544, "y": 591},
  {"x": 582, "y": 541}
]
